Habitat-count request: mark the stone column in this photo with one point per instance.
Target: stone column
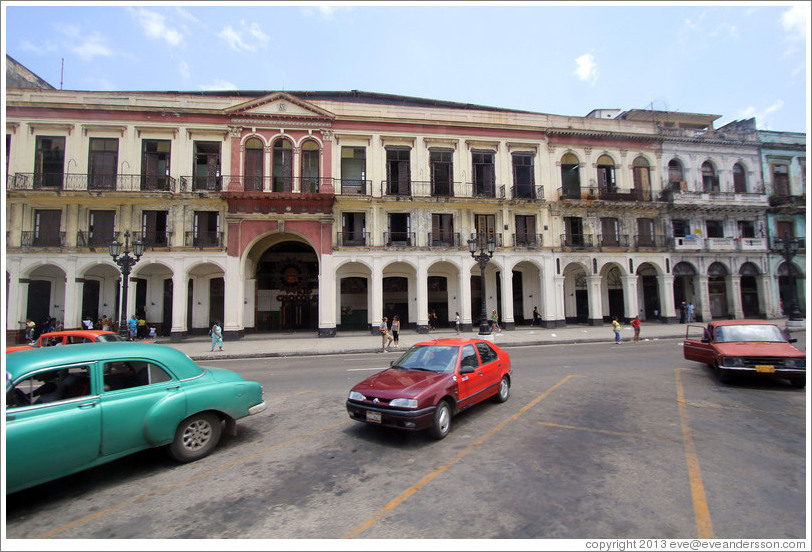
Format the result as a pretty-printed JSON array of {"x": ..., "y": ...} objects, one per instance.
[
  {"x": 765, "y": 305},
  {"x": 422, "y": 296},
  {"x": 465, "y": 296},
  {"x": 328, "y": 298},
  {"x": 376, "y": 296},
  {"x": 630, "y": 304},
  {"x": 232, "y": 313},
  {"x": 666, "y": 289},
  {"x": 179, "y": 306},
  {"x": 703, "y": 296},
  {"x": 733, "y": 287},
  {"x": 593, "y": 287},
  {"x": 508, "y": 322},
  {"x": 556, "y": 298}
]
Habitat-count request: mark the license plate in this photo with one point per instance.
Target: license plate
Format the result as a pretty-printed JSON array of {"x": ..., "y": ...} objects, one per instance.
[
  {"x": 766, "y": 368},
  {"x": 373, "y": 416}
]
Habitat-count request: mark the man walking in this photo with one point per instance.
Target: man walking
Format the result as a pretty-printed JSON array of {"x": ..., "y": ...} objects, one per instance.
[
  {"x": 616, "y": 329},
  {"x": 386, "y": 336}
]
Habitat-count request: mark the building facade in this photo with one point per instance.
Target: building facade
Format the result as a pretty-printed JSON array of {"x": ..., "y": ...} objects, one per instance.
[{"x": 324, "y": 211}]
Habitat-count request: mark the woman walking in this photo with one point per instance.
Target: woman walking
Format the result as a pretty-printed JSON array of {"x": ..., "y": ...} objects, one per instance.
[
  {"x": 216, "y": 335},
  {"x": 616, "y": 329},
  {"x": 396, "y": 330}
]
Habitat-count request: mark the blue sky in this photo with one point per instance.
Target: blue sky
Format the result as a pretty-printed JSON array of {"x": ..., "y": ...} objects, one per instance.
[{"x": 737, "y": 61}]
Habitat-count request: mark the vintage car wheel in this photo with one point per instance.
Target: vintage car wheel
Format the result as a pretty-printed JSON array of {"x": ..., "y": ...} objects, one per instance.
[
  {"x": 504, "y": 390},
  {"x": 441, "y": 424},
  {"x": 800, "y": 383},
  {"x": 196, "y": 437}
]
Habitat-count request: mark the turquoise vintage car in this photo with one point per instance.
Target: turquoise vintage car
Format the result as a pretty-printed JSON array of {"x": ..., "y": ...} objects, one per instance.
[{"x": 72, "y": 408}]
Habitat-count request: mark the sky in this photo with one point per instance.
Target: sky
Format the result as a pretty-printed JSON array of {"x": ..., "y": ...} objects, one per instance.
[{"x": 735, "y": 60}]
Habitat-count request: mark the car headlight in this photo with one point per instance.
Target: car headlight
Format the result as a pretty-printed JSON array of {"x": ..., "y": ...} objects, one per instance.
[
  {"x": 404, "y": 403},
  {"x": 733, "y": 361},
  {"x": 356, "y": 396},
  {"x": 796, "y": 362}
]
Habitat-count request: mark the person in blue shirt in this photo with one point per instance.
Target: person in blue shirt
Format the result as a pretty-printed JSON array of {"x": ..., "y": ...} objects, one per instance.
[{"x": 132, "y": 325}]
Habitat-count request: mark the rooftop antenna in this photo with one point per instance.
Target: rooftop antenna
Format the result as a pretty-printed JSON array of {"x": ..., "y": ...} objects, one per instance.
[{"x": 62, "y": 74}]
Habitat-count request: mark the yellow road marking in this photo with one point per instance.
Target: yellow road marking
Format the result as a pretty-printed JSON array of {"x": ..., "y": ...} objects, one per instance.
[
  {"x": 609, "y": 432},
  {"x": 741, "y": 409},
  {"x": 701, "y": 513},
  {"x": 168, "y": 488},
  {"x": 397, "y": 501}
]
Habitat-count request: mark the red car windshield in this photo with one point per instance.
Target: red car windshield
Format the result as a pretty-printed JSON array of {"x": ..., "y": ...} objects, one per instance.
[
  {"x": 749, "y": 332},
  {"x": 109, "y": 337},
  {"x": 429, "y": 358}
]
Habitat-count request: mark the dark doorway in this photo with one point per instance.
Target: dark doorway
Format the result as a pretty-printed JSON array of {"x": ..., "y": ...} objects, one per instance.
[
  {"x": 141, "y": 298},
  {"x": 749, "y": 296},
  {"x": 39, "y": 300},
  {"x": 287, "y": 294},
  {"x": 396, "y": 299},
  {"x": 166, "y": 321},
  {"x": 90, "y": 300},
  {"x": 190, "y": 302},
  {"x": 438, "y": 299},
  {"x": 651, "y": 298},
  {"x": 354, "y": 311},
  {"x": 518, "y": 298},
  {"x": 581, "y": 306},
  {"x": 217, "y": 298}
]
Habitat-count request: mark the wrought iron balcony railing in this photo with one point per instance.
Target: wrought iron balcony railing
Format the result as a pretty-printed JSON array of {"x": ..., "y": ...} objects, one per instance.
[
  {"x": 153, "y": 239},
  {"x": 84, "y": 182},
  {"x": 86, "y": 238},
  {"x": 399, "y": 239},
  {"x": 483, "y": 238},
  {"x": 529, "y": 241},
  {"x": 351, "y": 187},
  {"x": 577, "y": 241},
  {"x": 282, "y": 184},
  {"x": 30, "y": 238},
  {"x": 204, "y": 239},
  {"x": 352, "y": 239},
  {"x": 613, "y": 240},
  {"x": 532, "y": 192},
  {"x": 648, "y": 241},
  {"x": 443, "y": 239}
]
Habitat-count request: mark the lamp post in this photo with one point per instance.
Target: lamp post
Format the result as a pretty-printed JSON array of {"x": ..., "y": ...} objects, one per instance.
[
  {"x": 482, "y": 258},
  {"x": 125, "y": 263},
  {"x": 789, "y": 248}
]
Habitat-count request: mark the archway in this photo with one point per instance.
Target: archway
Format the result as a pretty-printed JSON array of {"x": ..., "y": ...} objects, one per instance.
[
  {"x": 353, "y": 296},
  {"x": 749, "y": 289},
  {"x": 684, "y": 274},
  {"x": 717, "y": 290},
  {"x": 613, "y": 286},
  {"x": 46, "y": 294},
  {"x": 649, "y": 291},
  {"x": 576, "y": 295},
  {"x": 287, "y": 288},
  {"x": 205, "y": 295}
]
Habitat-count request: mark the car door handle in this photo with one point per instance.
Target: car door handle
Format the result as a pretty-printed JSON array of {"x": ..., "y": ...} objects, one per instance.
[
  {"x": 173, "y": 387},
  {"x": 479, "y": 372},
  {"x": 10, "y": 418},
  {"x": 85, "y": 406}
]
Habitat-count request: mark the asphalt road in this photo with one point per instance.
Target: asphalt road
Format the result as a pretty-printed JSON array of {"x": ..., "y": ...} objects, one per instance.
[{"x": 596, "y": 441}]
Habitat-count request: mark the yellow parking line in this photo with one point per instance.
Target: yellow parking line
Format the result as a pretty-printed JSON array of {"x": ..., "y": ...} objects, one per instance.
[
  {"x": 701, "y": 512},
  {"x": 755, "y": 410},
  {"x": 609, "y": 432},
  {"x": 168, "y": 488},
  {"x": 394, "y": 503}
]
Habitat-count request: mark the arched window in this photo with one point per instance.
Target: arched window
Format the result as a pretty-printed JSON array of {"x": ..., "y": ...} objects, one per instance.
[
  {"x": 606, "y": 175},
  {"x": 739, "y": 179},
  {"x": 642, "y": 178},
  {"x": 570, "y": 177},
  {"x": 310, "y": 166},
  {"x": 282, "y": 175},
  {"x": 676, "y": 176},
  {"x": 710, "y": 181},
  {"x": 253, "y": 170}
]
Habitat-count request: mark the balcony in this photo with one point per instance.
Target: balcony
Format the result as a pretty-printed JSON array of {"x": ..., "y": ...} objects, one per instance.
[
  {"x": 680, "y": 196},
  {"x": 613, "y": 242},
  {"x": 281, "y": 184},
  {"x": 778, "y": 244},
  {"x": 577, "y": 242},
  {"x": 721, "y": 244},
  {"x": 204, "y": 240},
  {"x": 202, "y": 183},
  {"x": 443, "y": 239},
  {"x": 782, "y": 200},
  {"x": 647, "y": 242},
  {"x": 92, "y": 183},
  {"x": 351, "y": 187},
  {"x": 352, "y": 239},
  {"x": 153, "y": 239},
  {"x": 594, "y": 193},
  {"x": 482, "y": 240},
  {"x": 95, "y": 239},
  {"x": 752, "y": 244},
  {"x": 527, "y": 241},
  {"x": 528, "y": 192},
  {"x": 399, "y": 239},
  {"x": 30, "y": 238},
  {"x": 686, "y": 243}
]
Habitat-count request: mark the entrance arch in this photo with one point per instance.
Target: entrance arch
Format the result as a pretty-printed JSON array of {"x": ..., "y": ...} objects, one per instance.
[
  {"x": 749, "y": 289},
  {"x": 649, "y": 291},
  {"x": 576, "y": 294},
  {"x": 287, "y": 287},
  {"x": 717, "y": 290},
  {"x": 684, "y": 275}
]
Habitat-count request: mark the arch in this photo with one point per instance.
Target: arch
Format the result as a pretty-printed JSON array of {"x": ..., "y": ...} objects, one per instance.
[
  {"x": 399, "y": 280},
  {"x": 46, "y": 292},
  {"x": 253, "y": 164},
  {"x": 684, "y": 268},
  {"x": 570, "y": 177},
  {"x": 528, "y": 291},
  {"x": 684, "y": 290},
  {"x": 710, "y": 178},
  {"x": 739, "y": 178},
  {"x": 309, "y": 165},
  {"x": 641, "y": 176},
  {"x": 640, "y": 161},
  {"x": 282, "y": 165},
  {"x": 676, "y": 174},
  {"x": 604, "y": 159},
  {"x": 612, "y": 291},
  {"x": 576, "y": 293},
  {"x": 718, "y": 269},
  {"x": 648, "y": 290},
  {"x": 748, "y": 285},
  {"x": 353, "y": 280}
]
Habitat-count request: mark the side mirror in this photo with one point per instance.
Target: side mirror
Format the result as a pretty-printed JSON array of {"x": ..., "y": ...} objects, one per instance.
[
  {"x": 391, "y": 363},
  {"x": 467, "y": 369},
  {"x": 792, "y": 340}
]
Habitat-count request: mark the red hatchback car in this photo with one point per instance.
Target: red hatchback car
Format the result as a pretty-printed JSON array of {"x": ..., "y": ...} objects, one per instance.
[
  {"x": 431, "y": 382},
  {"x": 737, "y": 347},
  {"x": 68, "y": 337}
]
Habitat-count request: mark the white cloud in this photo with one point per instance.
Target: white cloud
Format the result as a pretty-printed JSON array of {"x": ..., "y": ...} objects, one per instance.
[
  {"x": 586, "y": 69},
  {"x": 183, "y": 69},
  {"x": 154, "y": 25},
  {"x": 763, "y": 117},
  {"x": 91, "y": 46},
  {"x": 326, "y": 12},
  {"x": 795, "y": 21},
  {"x": 247, "y": 39},
  {"x": 218, "y": 84},
  {"x": 46, "y": 48}
]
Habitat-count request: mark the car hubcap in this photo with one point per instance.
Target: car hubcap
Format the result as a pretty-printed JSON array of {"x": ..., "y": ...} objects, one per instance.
[
  {"x": 443, "y": 422},
  {"x": 503, "y": 389},
  {"x": 196, "y": 435}
]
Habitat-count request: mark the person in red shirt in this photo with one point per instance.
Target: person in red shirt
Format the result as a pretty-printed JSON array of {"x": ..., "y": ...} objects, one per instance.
[{"x": 636, "y": 327}]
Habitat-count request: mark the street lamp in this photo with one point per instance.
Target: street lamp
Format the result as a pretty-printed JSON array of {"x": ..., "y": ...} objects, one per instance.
[
  {"x": 789, "y": 248},
  {"x": 125, "y": 263},
  {"x": 482, "y": 258}
]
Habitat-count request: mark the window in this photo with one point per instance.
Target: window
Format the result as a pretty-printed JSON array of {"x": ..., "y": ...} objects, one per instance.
[
  {"x": 606, "y": 175},
  {"x": 102, "y": 165},
  {"x": 642, "y": 179},
  {"x": 254, "y": 166},
  {"x": 353, "y": 229},
  {"x": 155, "y": 164},
  {"x": 101, "y": 228},
  {"x": 49, "y": 162},
  {"x": 681, "y": 228},
  {"x": 132, "y": 373},
  {"x": 310, "y": 166},
  {"x": 747, "y": 229},
  {"x": 50, "y": 386},
  {"x": 484, "y": 174},
  {"x": 570, "y": 177},
  {"x": 645, "y": 232},
  {"x": 739, "y": 179},
  {"x": 282, "y": 175},
  {"x": 784, "y": 229},
  {"x": 574, "y": 228},
  {"x": 469, "y": 358},
  {"x": 710, "y": 181},
  {"x": 353, "y": 170},
  {"x": 715, "y": 228},
  {"x": 47, "y": 223},
  {"x": 441, "y": 165},
  {"x": 398, "y": 171},
  {"x": 154, "y": 228},
  {"x": 526, "y": 230},
  {"x": 399, "y": 229},
  {"x": 207, "y": 166},
  {"x": 206, "y": 229},
  {"x": 442, "y": 229},
  {"x": 523, "y": 176},
  {"x": 486, "y": 354},
  {"x": 781, "y": 180},
  {"x": 609, "y": 231},
  {"x": 485, "y": 226},
  {"x": 676, "y": 177}
]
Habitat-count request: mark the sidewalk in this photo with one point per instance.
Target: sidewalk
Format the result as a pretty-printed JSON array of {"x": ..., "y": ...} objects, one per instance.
[{"x": 307, "y": 343}]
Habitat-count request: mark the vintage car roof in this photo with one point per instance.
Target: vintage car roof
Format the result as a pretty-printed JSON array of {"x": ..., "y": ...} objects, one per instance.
[
  {"x": 23, "y": 362},
  {"x": 81, "y": 333},
  {"x": 740, "y": 322}
]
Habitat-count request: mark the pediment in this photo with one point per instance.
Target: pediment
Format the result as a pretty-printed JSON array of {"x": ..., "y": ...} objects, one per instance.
[{"x": 279, "y": 105}]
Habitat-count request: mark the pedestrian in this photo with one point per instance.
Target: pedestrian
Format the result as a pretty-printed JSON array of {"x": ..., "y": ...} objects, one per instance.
[
  {"x": 396, "y": 330},
  {"x": 495, "y": 318},
  {"x": 386, "y": 336},
  {"x": 58, "y": 326},
  {"x": 87, "y": 323},
  {"x": 690, "y": 311},
  {"x": 132, "y": 327},
  {"x": 682, "y": 313},
  {"x": 106, "y": 323},
  {"x": 536, "y": 317},
  {"x": 216, "y": 334},
  {"x": 457, "y": 323},
  {"x": 142, "y": 327},
  {"x": 30, "y": 327},
  {"x": 636, "y": 327},
  {"x": 616, "y": 329}
]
